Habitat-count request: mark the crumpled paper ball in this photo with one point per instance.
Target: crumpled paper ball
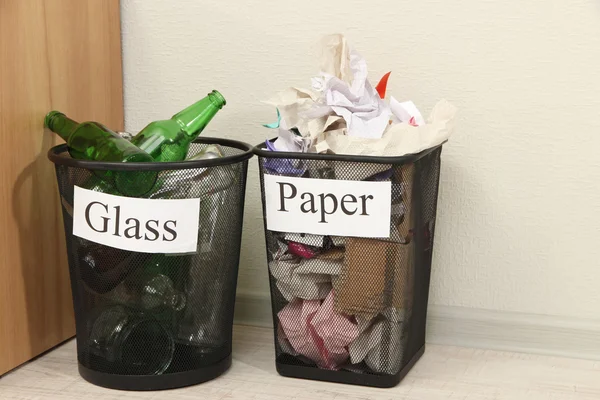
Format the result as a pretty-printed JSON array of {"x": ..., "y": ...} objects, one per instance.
[
  {"x": 381, "y": 342},
  {"x": 305, "y": 278},
  {"x": 317, "y": 332},
  {"x": 343, "y": 113},
  {"x": 309, "y": 279}
]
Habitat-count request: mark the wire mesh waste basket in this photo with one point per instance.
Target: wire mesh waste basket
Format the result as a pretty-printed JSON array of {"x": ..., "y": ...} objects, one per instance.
[
  {"x": 154, "y": 277},
  {"x": 349, "y": 245}
]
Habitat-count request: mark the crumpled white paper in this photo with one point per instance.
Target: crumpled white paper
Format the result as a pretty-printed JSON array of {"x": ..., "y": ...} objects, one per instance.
[
  {"x": 348, "y": 93},
  {"x": 379, "y": 343},
  {"x": 291, "y": 103},
  {"x": 343, "y": 113},
  {"x": 288, "y": 141},
  {"x": 309, "y": 279},
  {"x": 406, "y": 112},
  {"x": 399, "y": 139}
]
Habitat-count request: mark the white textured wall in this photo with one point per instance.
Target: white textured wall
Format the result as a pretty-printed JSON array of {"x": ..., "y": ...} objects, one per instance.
[{"x": 519, "y": 224}]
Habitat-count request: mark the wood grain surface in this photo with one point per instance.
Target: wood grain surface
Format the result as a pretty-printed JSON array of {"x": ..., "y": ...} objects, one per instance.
[{"x": 54, "y": 54}]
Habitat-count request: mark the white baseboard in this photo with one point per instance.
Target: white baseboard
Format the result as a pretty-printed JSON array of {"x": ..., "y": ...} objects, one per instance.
[{"x": 478, "y": 328}]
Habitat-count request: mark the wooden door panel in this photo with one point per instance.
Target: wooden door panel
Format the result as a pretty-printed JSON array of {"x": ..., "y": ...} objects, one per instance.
[{"x": 54, "y": 54}]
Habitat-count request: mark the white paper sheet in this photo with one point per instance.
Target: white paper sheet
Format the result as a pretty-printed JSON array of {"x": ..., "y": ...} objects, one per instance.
[
  {"x": 399, "y": 139},
  {"x": 342, "y": 113},
  {"x": 288, "y": 141},
  {"x": 406, "y": 111},
  {"x": 292, "y": 103},
  {"x": 349, "y": 93}
]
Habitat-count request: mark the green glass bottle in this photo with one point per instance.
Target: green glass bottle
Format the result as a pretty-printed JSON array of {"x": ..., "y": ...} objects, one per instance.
[
  {"x": 94, "y": 141},
  {"x": 169, "y": 140}
]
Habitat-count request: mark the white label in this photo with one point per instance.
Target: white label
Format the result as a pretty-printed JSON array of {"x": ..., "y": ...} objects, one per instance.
[
  {"x": 144, "y": 225},
  {"x": 328, "y": 207}
]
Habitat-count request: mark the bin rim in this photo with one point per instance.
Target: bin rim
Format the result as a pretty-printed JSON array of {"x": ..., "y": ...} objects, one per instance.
[
  {"x": 260, "y": 151},
  {"x": 57, "y": 155}
]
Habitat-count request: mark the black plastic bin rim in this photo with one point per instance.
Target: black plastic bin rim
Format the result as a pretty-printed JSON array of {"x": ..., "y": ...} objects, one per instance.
[
  {"x": 260, "y": 151},
  {"x": 58, "y": 155}
]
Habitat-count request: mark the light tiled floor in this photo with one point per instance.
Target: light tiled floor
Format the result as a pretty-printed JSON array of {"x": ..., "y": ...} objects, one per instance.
[{"x": 443, "y": 373}]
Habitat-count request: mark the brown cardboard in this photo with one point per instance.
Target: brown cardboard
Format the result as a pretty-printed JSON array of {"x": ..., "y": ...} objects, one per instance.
[{"x": 378, "y": 273}]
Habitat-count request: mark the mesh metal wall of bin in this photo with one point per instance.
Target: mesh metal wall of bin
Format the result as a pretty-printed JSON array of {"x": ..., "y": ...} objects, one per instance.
[
  {"x": 352, "y": 309},
  {"x": 154, "y": 321}
]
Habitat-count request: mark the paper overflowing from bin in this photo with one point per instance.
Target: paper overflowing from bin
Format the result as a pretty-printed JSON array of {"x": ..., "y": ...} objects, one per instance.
[
  {"x": 348, "y": 300},
  {"x": 274, "y": 125},
  {"x": 343, "y": 113},
  {"x": 382, "y": 85},
  {"x": 284, "y": 166},
  {"x": 288, "y": 141},
  {"x": 347, "y": 92},
  {"x": 406, "y": 112}
]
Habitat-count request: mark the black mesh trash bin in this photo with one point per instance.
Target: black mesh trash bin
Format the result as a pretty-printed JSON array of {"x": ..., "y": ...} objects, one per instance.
[
  {"x": 352, "y": 309},
  {"x": 151, "y": 320}
]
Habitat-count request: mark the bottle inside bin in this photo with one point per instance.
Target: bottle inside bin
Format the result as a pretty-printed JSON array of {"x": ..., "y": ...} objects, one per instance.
[
  {"x": 149, "y": 291},
  {"x": 103, "y": 268},
  {"x": 169, "y": 140},
  {"x": 95, "y": 142},
  {"x": 129, "y": 342}
]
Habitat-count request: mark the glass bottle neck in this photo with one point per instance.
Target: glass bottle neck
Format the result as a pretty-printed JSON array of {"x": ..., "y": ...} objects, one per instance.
[
  {"x": 60, "y": 124},
  {"x": 194, "y": 118},
  {"x": 177, "y": 302}
]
